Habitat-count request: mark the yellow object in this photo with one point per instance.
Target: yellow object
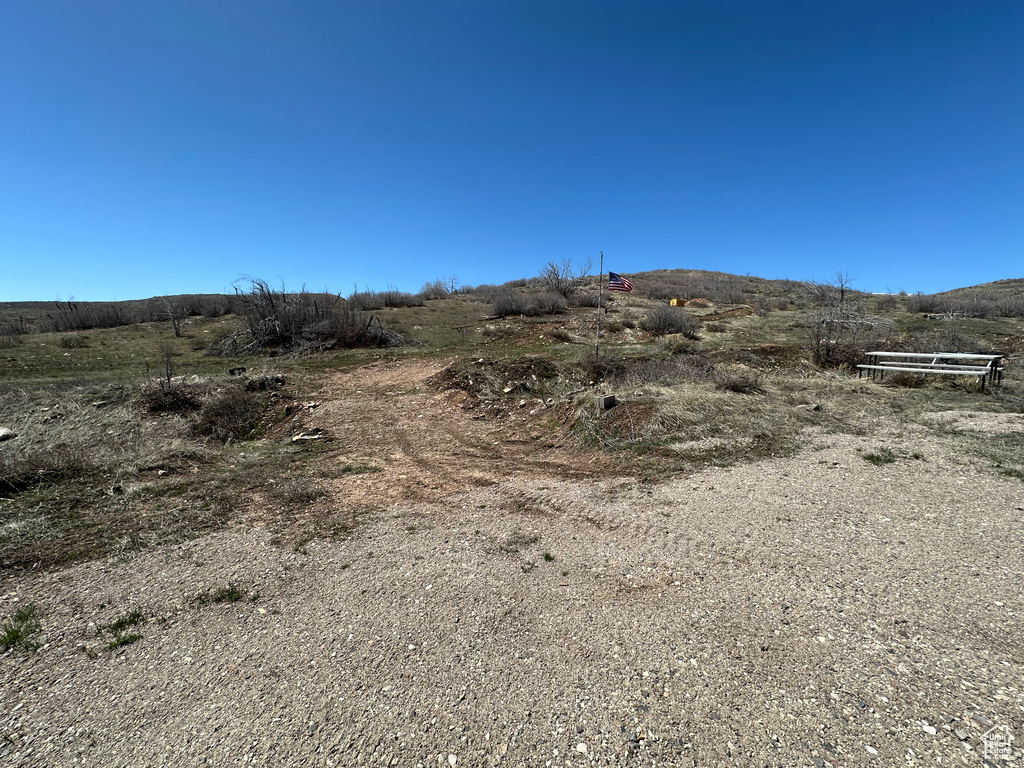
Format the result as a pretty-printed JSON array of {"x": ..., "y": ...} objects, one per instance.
[{"x": 678, "y": 302}]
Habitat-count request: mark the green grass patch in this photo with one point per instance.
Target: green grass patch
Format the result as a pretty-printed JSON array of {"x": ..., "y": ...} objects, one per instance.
[
  {"x": 883, "y": 456},
  {"x": 232, "y": 593},
  {"x": 123, "y": 640},
  {"x": 19, "y": 629},
  {"x": 124, "y": 621}
]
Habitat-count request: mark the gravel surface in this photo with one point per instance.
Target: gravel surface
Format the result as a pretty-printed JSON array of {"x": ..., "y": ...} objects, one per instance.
[{"x": 812, "y": 611}]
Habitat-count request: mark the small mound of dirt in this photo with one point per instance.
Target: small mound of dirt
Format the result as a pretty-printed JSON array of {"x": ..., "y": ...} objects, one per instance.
[
  {"x": 490, "y": 379},
  {"x": 701, "y": 303},
  {"x": 530, "y": 368},
  {"x": 468, "y": 376}
]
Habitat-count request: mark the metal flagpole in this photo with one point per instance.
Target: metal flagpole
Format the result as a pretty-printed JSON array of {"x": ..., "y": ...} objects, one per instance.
[{"x": 600, "y": 290}]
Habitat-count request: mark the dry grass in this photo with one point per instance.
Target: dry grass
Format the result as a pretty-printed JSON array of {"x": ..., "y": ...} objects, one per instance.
[{"x": 94, "y": 470}]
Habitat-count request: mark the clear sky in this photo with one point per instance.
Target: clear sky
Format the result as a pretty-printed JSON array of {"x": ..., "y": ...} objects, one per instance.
[{"x": 172, "y": 146}]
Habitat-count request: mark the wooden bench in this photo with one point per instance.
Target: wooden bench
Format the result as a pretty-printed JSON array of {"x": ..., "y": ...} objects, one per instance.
[{"x": 983, "y": 367}]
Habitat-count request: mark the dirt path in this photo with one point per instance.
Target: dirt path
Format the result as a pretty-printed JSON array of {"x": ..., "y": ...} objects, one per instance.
[
  {"x": 429, "y": 443},
  {"x": 504, "y": 605}
]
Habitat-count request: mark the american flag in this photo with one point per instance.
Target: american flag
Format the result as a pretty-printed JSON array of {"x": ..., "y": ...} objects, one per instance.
[{"x": 618, "y": 283}]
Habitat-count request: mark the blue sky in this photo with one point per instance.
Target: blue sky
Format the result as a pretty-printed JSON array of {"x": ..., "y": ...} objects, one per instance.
[{"x": 149, "y": 148}]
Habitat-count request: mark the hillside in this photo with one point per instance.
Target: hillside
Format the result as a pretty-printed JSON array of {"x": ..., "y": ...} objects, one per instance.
[{"x": 429, "y": 547}]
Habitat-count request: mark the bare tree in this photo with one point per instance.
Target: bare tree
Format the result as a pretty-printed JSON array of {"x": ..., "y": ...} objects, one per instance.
[
  {"x": 843, "y": 282},
  {"x": 166, "y": 352},
  {"x": 565, "y": 279},
  {"x": 837, "y": 293},
  {"x": 174, "y": 311}
]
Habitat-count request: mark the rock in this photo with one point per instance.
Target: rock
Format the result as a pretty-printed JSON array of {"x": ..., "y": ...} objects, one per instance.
[
  {"x": 930, "y": 730},
  {"x": 581, "y": 748},
  {"x": 452, "y": 760},
  {"x": 7, "y": 434},
  {"x": 871, "y": 749},
  {"x": 979, "y": 718},
  {"x": 962, "y": 735}
]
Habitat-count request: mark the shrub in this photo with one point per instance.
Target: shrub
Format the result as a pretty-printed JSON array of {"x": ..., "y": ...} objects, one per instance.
[
  {"x": 285, "y": 321},
  {"x": 396, "y": 298},
  {"x": 548, "y": 304},
  {"x": 74, "y": 341},
  {"x": 564, "y": 279},
  {"x": 596, "y": 368},
  {"x": 680, "y": 345},
  {"x": 663, "y": 320},
  {"x": 587, "y": 300},
  {"x": 887, "y": 303},
  {"x": 234, "y": 414},
  {"x": 838, "y": 338},
  {"x": 510, "y": 302},
  {"x": 169, "y": 400},
  {"x": 946, "y": 338},
  {"x": 740, "y": 380},
  {"x": 1011, "y": 306},
  {"x": 435, "y": 290},
  {"x": 366, "y": 300}
]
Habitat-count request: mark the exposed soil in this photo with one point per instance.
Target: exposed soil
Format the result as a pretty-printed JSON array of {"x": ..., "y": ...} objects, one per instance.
[
  {"x": 430, "y": 440},
  {"x": 509, "y": 599}
]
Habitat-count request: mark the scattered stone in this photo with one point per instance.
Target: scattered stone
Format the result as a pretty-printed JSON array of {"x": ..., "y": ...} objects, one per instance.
[
  {"x": 581, "y": 748},
  {"x": 870, "y": 749},
  {"x": 452, "y": 760},
  {"x": 306, "y": 436},
  {"x": 960, "y": 734},
  {"x": 99, "y": 404},
  {"x": 979, "y": 718},
  {"x": 930, "y": 730},
  {"x": 7, "y": 434},
  {"x": 236, "y": 371}
]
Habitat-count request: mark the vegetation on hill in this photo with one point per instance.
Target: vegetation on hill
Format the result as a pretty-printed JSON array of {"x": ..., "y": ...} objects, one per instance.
[{"x": 138, "y": 423}]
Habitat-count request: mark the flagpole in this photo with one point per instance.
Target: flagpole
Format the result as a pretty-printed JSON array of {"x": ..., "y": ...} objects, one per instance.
[{"x": 600, "y": 290}]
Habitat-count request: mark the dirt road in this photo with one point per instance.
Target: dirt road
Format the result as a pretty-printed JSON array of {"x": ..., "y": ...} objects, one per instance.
[{"x": 514, "y": 603}]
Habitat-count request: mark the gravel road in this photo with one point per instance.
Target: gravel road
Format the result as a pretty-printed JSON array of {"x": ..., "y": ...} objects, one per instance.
[{"x": 807, "y": 611}]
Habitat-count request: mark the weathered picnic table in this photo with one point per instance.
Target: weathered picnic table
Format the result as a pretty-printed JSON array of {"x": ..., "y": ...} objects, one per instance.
[{"x": 983, "y": 367}]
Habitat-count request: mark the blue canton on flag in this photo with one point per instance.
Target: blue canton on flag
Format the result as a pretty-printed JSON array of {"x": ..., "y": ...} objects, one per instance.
[{"x": 618, "y": 283}]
